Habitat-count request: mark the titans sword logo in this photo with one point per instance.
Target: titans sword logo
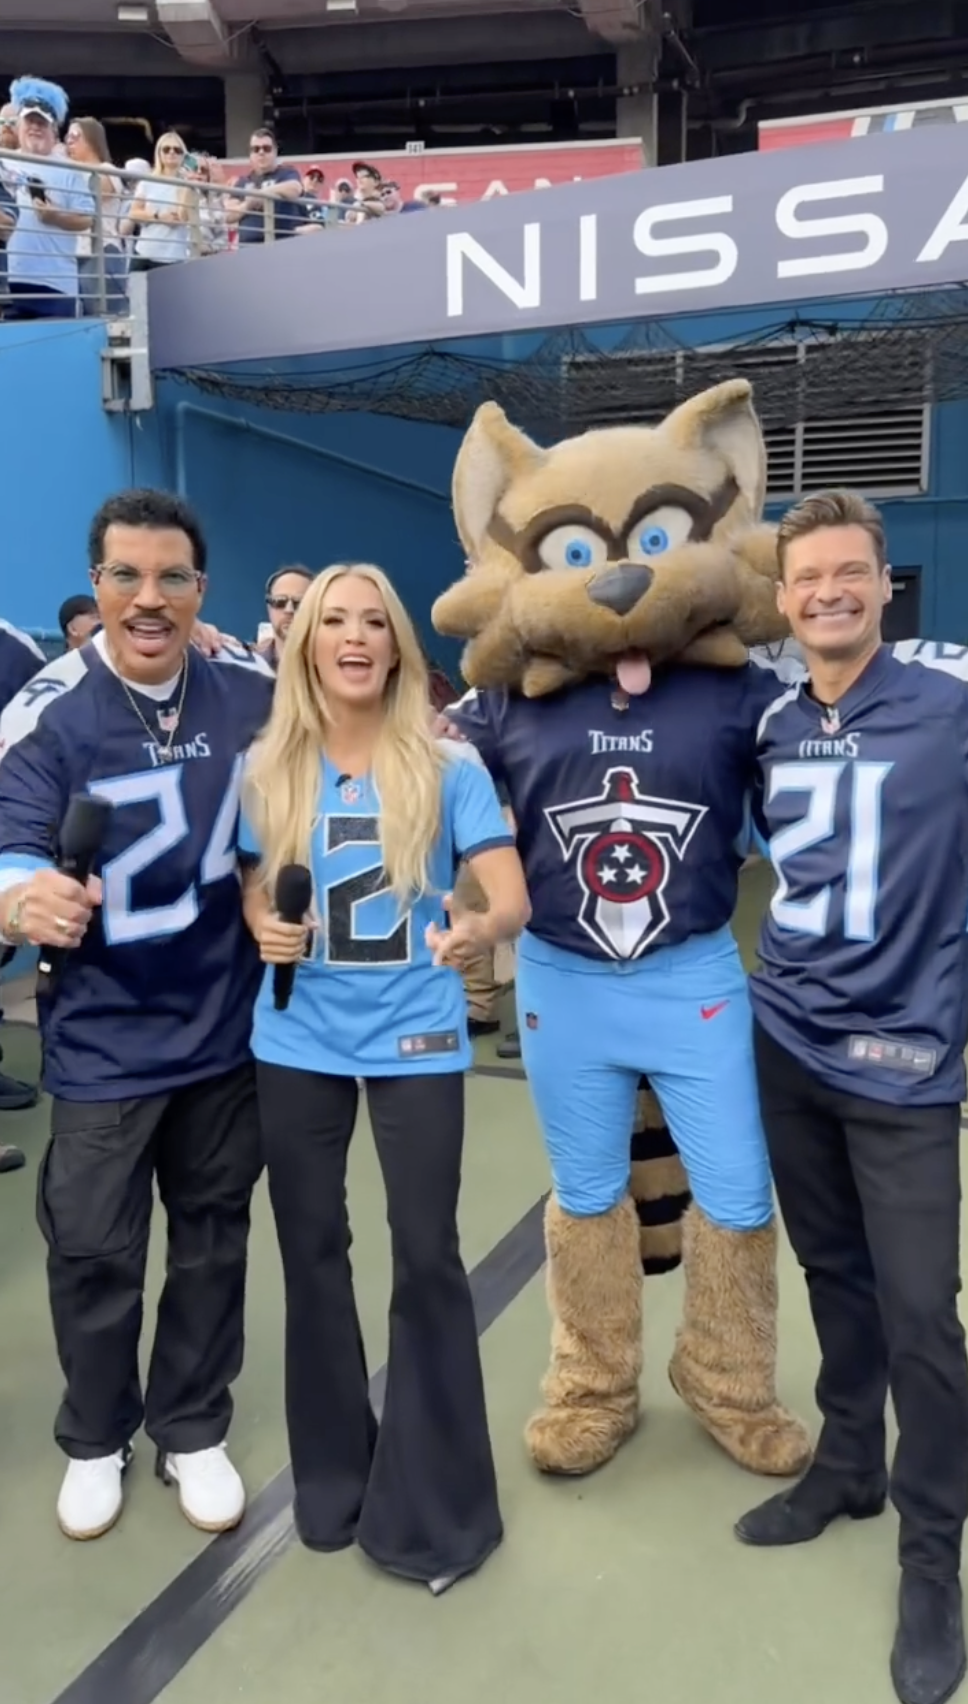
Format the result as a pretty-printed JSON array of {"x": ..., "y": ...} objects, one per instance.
[{"x": 622, "y": 844}]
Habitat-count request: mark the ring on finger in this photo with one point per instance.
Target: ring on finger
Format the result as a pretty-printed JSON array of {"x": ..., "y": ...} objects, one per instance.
[{"x": 62, "y": 925}]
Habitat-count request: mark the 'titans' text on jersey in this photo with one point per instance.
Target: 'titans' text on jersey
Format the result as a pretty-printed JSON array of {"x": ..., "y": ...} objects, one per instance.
[
  {"x": 865, "y": 817},
  {"x": 160, "y": 992},
  {"x": 630, "y": 822}
]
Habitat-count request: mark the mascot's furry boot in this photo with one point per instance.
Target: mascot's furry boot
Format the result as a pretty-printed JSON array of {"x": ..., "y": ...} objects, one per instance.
[
  {"x": 591, "y": 1388},
  {"x": 724, "y": 1363},
  {"x": 724, "y": 1360}
]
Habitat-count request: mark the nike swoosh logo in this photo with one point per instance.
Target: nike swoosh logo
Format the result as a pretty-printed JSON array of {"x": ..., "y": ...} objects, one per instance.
[{"x": 711, "y": 1011}]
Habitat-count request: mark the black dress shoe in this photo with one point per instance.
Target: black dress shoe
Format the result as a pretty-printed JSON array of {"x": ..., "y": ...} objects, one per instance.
[
  {"x": 482, "y": 1026},
  {"x": 510, "y": 1047},
  {"x": 928, "y": 1658},
  {"x": 803, "y": 1513}
]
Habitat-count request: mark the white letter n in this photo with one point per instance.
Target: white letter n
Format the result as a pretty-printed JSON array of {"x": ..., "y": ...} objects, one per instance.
[{"x": 461, "y": 247}]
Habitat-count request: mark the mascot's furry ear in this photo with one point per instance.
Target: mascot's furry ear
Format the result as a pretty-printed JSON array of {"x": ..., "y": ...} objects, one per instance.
[
  {"x": 49, "y": 97},
  {"x": 723, "y": 421},
  {"x": 494, "y": 453}
]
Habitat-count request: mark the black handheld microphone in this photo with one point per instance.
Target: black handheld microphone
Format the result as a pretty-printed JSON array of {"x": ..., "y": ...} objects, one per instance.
[
  {"x": 81, "y": 838},
  {"x": 294, "y": 891}
]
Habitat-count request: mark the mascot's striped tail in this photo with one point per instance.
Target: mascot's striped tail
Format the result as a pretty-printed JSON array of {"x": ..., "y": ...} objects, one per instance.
[{"x": 660, "y": 1188}]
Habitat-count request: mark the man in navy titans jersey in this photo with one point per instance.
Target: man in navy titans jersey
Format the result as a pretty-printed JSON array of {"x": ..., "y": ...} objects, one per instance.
[
  {"x": 147, "y": 1021},
  {"x": 861, "y": 1009}
]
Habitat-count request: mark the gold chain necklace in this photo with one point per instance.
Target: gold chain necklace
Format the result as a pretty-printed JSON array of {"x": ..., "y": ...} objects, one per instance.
[{"x": 164, "y": 751}]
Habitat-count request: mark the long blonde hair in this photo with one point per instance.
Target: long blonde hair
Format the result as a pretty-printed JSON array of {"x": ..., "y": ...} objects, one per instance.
[{"x": 282, "y": 790}]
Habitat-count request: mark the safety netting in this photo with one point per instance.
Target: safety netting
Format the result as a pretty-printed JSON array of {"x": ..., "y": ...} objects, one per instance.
[{"x": 908, "y": 350}]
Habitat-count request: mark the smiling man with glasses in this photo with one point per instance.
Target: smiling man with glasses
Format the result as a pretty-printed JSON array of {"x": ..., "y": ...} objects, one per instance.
[{"x": 147, "y": 1015}]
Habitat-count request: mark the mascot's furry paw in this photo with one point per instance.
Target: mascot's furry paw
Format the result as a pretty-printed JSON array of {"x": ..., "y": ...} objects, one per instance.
[
  {"x": 660, "y": 1188},
  {"x": 591, "y": 1389},
  {"x": 724, "y": 1364}
]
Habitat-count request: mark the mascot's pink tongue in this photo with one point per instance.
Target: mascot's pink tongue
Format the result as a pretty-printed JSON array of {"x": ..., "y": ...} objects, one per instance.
[{"x": 634, "y": 672}]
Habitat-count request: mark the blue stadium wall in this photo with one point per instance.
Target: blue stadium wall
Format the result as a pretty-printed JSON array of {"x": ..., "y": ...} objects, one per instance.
[{"x": 274, "y": 487}]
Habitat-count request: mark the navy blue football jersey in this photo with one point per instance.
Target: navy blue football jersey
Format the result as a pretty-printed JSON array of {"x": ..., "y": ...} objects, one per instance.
[
  {"x": 161, "y": 991},
  {"x": 20, "y": 660},
  {"x": 864, "y": 815},
  {"x": 630, "y": 822}
]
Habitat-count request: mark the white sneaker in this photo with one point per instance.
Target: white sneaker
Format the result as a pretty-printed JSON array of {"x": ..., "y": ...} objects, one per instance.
[
  {"x": 92, "y": 1496},
  {"x": 210, "y": 1492}
]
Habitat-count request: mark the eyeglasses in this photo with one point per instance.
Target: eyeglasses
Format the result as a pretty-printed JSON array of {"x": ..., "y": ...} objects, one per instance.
[
  {"x": 174, "y": 582},
  {"x": 277, "y": 602},
  {"x": 262, "y": 148},
  {"x": 170, "y": 148}
]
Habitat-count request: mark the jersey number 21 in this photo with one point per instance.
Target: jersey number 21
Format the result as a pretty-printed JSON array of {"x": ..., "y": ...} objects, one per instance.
[{"x": 820, "y": 784}]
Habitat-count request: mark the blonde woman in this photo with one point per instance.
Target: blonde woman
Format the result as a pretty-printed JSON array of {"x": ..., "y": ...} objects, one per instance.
[
  {"x": 163, "y": 210},
  {"x": 349, "y": 782}
]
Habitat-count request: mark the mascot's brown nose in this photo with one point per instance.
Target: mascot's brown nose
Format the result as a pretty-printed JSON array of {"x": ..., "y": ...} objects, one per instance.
[{"x": 619, "y": 589}]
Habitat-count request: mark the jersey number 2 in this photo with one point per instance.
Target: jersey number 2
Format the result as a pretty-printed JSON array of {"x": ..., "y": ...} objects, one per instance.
[
  {"x": 123, "y": 924},
  {"x": 821, "y": 782},
  {"x": 344, "y": 946}
]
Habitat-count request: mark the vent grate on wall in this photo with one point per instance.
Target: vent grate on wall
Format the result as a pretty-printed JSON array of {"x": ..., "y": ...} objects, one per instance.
[{"x": 879, "y": 451}]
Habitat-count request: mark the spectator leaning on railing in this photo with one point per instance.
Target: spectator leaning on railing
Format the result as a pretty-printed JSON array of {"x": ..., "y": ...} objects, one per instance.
[
  {"x": 87, "y": 145},
  {"x": 266, "y": 178},
  {"x": 393, "y": 201},
  {"x": 212, "y": 219},
  {"x": 162, "y": 210},
  {"x": 367, "y": 180},
  {"x": 54, "y": 207}
]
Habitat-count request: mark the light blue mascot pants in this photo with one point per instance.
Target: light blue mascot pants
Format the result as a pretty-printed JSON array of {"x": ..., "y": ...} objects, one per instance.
[{"x": 590, "y": 1028}]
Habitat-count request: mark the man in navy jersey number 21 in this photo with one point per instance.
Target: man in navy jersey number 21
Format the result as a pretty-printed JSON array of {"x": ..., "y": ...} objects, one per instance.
[
  {"x": 861, "y": 1021},
  {"x": 146, "y": 1023}
]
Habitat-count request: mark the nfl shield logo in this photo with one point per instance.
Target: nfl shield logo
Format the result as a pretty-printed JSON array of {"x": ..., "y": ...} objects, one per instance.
[
  {"x": 350, "y": 792},
  {"x": 168, "y": 721}
]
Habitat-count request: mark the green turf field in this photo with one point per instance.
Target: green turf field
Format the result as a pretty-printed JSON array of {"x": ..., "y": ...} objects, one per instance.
[{"x": 628, "y": 1585}]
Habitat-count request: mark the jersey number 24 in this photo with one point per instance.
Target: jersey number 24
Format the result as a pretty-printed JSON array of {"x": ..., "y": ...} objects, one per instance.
[{"x": 124, "y": 924}]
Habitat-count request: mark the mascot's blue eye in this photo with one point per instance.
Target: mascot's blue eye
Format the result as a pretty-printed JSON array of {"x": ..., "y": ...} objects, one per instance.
[
  {"x": 578, "y": 553},
  {"x": 653, "y": 540},
  {"x": 571, "y": 547},
  {"x": 663, "y": 529}
]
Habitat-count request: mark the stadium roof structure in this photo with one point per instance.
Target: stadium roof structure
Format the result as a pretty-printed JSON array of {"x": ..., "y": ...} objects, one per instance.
[
  {"x": 219, "y": 34},
  {"x": 572, "y": 280}
]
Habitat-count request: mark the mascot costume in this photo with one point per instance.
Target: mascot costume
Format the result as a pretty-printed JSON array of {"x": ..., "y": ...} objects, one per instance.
[{"x": 616, "y": 583}]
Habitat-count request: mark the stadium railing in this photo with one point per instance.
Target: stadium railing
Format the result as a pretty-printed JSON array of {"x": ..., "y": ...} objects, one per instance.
[{"x": 105, "y": 256}]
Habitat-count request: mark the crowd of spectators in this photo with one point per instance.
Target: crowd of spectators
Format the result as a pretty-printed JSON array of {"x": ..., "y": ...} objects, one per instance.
[{"x": 74, "y": 224}]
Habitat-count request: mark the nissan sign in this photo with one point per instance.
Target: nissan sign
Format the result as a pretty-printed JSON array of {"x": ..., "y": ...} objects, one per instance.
[{"x": 880, "y": 214}]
